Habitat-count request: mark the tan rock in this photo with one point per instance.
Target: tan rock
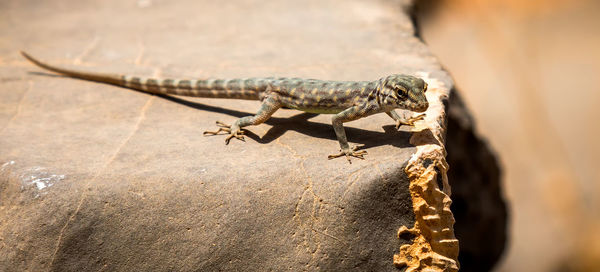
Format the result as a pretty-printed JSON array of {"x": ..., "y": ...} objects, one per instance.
[{"x": 95, "y": 177}]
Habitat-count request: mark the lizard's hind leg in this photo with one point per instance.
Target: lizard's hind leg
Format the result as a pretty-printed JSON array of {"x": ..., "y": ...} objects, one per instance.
[{"x": 268, "y": 107}]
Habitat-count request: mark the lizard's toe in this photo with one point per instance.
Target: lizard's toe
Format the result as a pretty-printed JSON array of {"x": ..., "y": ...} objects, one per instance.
[
  {"x": 349, "y": 153},
  {"x": 410, "y": 121},
  {"x": 236, "y": 134},
  {"x": 223, "y": 125},
  {"x": 222, "y": 128}
]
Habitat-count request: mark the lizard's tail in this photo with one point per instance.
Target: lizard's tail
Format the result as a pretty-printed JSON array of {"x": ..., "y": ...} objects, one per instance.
[
  {"x": 212, "y": 88},
  {"x": 104, "y": 78}
]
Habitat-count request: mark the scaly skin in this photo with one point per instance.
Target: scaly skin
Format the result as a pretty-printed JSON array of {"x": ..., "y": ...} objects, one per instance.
[{"x": 347, "y": 100}]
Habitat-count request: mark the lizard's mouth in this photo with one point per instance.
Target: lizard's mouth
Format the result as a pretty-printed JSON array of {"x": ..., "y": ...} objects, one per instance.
[{"x": 421, "y": 107}]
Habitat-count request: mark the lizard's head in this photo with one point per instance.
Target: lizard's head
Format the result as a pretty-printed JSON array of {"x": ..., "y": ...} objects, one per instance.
[{"x": 406, "y": 92}]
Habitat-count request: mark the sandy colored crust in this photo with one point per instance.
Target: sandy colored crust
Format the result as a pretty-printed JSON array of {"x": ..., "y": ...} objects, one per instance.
[{"x": 434, "y": 246}]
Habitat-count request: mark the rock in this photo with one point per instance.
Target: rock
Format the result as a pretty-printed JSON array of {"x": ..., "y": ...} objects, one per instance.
[
  {"x": 478, "y": 203},
  {"x": 96, "y": 177}
]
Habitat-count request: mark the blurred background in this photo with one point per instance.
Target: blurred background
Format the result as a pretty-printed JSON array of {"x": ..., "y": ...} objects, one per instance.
[{"x": 529, "y": 71}]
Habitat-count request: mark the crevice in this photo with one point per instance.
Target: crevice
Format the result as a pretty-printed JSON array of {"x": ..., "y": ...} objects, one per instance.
[
  {"x": 328, "y": 235},
  {"x": 19, "y": 106},
  {"x": 88, "y": 49},
  {"x": 141, "y": 117},
  {"x": 140, "y": 56},
  {"x": 316, "y": 202},
  {"x": 86, "y": 186},
  {"x": 351, "y": 180}
]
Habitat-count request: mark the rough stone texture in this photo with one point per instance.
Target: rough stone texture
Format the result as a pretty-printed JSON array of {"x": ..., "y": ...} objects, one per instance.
[
  {"x": 95, "y": 177},
  {"x": 433, "y": 246}
]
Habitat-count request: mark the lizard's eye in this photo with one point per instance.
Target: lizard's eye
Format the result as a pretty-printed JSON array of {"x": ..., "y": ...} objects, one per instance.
[{"x": 401, "y": 93}]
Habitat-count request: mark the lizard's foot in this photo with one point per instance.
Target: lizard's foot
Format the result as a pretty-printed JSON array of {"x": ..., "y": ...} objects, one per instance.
[
  {"x": 350, "y": 152},
  {"x": 237, "y": 133},
  {"x": 410, "y": 121}
]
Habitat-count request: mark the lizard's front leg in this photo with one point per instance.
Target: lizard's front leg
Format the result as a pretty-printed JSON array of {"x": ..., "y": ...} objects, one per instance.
[
  {"x": 402, "y": 121},
  {"x": 269, "y": 106},
  {"x": 338, "y": 120}
]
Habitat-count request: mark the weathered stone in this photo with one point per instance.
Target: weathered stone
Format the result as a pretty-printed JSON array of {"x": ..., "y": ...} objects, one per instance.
[
  {"x": 95, "y": 177},
  {"x": 433, "y": 247}
]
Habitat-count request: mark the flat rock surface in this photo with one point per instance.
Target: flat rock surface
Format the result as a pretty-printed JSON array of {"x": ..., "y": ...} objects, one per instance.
[{"x": 95, "y": 177}]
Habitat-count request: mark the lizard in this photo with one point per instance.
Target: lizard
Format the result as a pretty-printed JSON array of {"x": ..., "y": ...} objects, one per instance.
[{"x": 346, "y": 100}]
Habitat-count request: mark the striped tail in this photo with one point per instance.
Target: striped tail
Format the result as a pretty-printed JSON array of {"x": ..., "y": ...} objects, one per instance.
[{"x": 248, "y": 89}]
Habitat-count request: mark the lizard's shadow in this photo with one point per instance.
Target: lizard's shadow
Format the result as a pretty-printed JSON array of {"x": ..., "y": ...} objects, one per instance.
[{"x": 301, "y": 124}]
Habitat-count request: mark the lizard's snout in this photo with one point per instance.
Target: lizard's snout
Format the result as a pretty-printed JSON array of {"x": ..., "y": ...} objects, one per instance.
[{"x": 422, "y": 106}]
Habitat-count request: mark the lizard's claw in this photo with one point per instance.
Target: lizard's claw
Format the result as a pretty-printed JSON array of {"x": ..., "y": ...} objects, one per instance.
[
  {"x": 238, "y": 134},
  {"x": 350, "y": 152},
  {"x": 223, "y": 125},
  {"x": 235, "y": 134},
  {"x": 410, "y": 121}
]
